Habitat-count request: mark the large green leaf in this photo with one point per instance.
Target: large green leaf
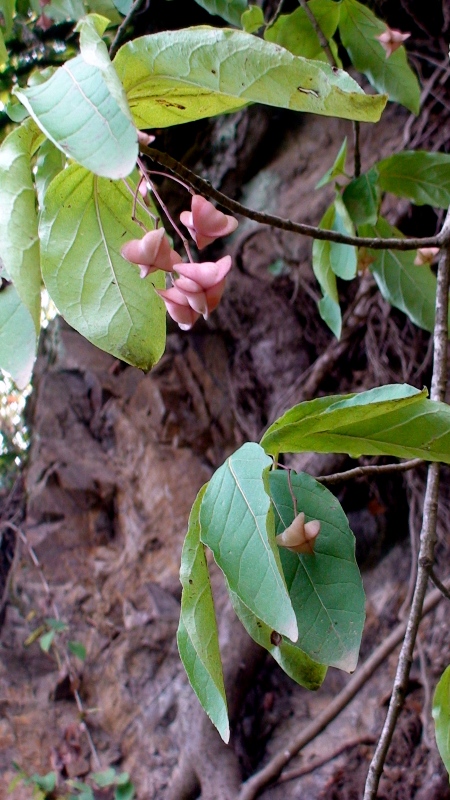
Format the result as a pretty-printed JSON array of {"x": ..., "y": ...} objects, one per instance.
[
  {"x": 50, "y": 161},
  {"x": 295, "y": 663},
  {"x": 295, "y": 32},
  {"x": 178, "y": 76},
  {"x": 19, "y": 244},
  {"x": 237, "y": 524},
  {"x": 325, "y": 588},
  {"x": 17, "y": 337},
  {"x": 424, "y": 178},
  {"x": 394, "y": 420},
  {"x": 441, "y": 716},
  {"x": 230, "y": 10},
  {"x": 337, "y": 168},
  {"x": 80, "y": 111},
  {"x": 197, "y": 636},
  {"x": 406, "y": 286},
  {"x": 362, "y": 198},
  {"x": 358, "y": 28},
  {"x": 85, "y": 222}
]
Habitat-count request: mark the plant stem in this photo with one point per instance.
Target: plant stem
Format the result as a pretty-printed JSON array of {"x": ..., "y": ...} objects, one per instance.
[
  {"x": 370, "y": 469},
  {"x": 320, "y": 34},
  {"x": 122, "y": 27},
  {"x": 205, "y": 188},
  {"x": 254, "y": 785},
  {"x": 427, "y": 536},
  {"x": 357, "y": 153}
]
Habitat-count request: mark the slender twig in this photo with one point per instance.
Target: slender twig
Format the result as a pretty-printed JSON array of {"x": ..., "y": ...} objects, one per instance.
[
  {"x": 357, "y": 150},
  {"x": 320, "y": 34},
  {"x": 203, "y": 186},
  {"x": 277, "y": 13},
  {"x": 123, "y": 26},
  {"x": 370, "y": 469},
  {"x": 427, "y": 537},
  {"x": 439, "y": 585},
  {"x": 291, "y": 774},
  {"x": 254, "y": 785}
]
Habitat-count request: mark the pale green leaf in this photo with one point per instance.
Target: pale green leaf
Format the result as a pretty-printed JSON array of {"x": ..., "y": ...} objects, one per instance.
[
  {"x": 104, "y": 778},
  {"x": 424, "y": 178},
  {"x": 19, "y": 244},
  {"x": 78, "y": 113},
  {"x": 230, "y": 10},
  {"x": 325, "y": 588},
  {"x": 178, "y": 76},
  {"x": 17, "y": 337},
  {"x": 330, "y": 312},
  {"x": 321, "y": 260},
  {"x": 359, "y": 28},
  {"x": 84, "y": 223},
  {"x": 46, "y": 640},
  {"x": 410, "y": 288},
  {"x": 77, "y": 649},
  {"x": 295, "y": 32},
  {"x": 394, "y": 420},
  {"x": 252, "y": 19},
  {"x": 110, "y": 9},
  {"x": 237, "y": 524},
  {"x": 94, "y": 52},
  {"x": 65, "y": 10},
  {"x": 441, "y": 716},
  {"x": 197, "y": 636},
  {"x": 362, "y": 198},
  {"x": 337, "y": 168},
  {"x": 292, "y": 660},
  {"x": 123, "y": 6},
  {"x": 50, "y": 161},
  {"x": 343, "y": 257}
]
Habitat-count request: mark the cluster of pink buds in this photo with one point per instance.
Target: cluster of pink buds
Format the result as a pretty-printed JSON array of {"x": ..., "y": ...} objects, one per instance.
[
  {"x": 196, "y": 287},
  {"x": 391, "y": 40}
]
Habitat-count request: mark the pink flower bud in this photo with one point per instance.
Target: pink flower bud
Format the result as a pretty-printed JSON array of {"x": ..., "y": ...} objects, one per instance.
[
  {"x": 152, "y": 252},
  {"x": 203, "y": 284},
  {"x": 391, "y": 40},
  {"x": 178, "y": 307},
  {"x": 205, "y": 222},
  {"x": 426, "y": 255},
  {"x": 300, "y": 536},
  {"x": 143, "y": 138}
]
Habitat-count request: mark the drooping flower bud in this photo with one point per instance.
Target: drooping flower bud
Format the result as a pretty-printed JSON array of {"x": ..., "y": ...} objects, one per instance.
[
  {"x": 391, "y": 40},
  {"x": 151, "y": 253},
  {"x": 203, "y": 284},
  {"x": 426, "y": 255},
  {"x": 205, "y": 222},
  {"x": 178, "y": 307},
  {"x": 299, "y": 536}
]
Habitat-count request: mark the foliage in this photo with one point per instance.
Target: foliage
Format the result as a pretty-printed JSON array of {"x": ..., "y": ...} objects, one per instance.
[{"x": 74, "y": 190}]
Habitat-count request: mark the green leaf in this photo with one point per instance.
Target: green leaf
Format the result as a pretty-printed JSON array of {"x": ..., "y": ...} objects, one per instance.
[
  {"x": 19, "y": 244},
  {"x": 441, "y": 716},
  {"x": 45, "y": 641},
  {"x": 362, "y": 198},
  {"x": 292, "y": 660},
  {"x": 104, "y": 778},
  {"x": 65, "y": 10},
  {"x": 84, "y": 223},
  {"x": 79, "y": 112},
  {"x": 252, "y": 19},
  {"x": 230, "y": 10},
  {"x": 110, "y": 9},
  {"x": 330, "y": 312},
  {"x": 343, "y": 257},
  {"x": 295, "y": 32},
  {"x": 123, "y": 6},
  {"x": 50, "y": 161},
  {"x": 325, "y": 588},
  {"x": 395, "y": 420},
  {"x": 45, "y": 782},
  {"x": 7, "y": 12},
  {"x": 358, "y": 28},
  {"x": 321, "y": 261},
  {"x": 178, "y": 76},
  {"x": 4, "y": 58},
  {"x": 77, "y": 649},
  {"x": 124, "y": 792},
  {"x": 424, "y": 178},
  {"x": 17, "y": 337},
  {"x": 410, "y": 288},
  {"x": 337, "y": 168},
  {"x": 56, "y": 624},
  {"x": 197, "y": 635},
  {"x": 237, "y": 524}
]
